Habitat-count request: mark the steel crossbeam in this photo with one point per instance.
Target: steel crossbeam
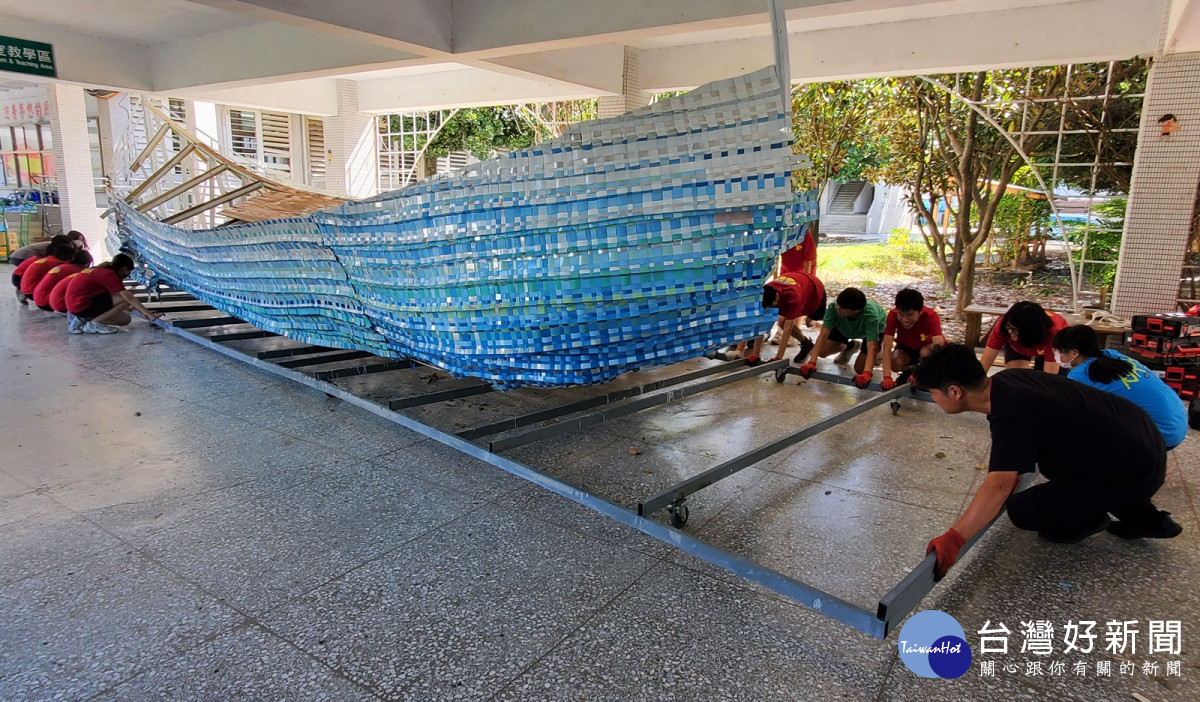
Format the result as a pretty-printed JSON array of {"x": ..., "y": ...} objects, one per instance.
[
  {"x": 636, "y": 405},
  {"x": 363, "y": 370},
  {"x": 908, "y": 593},
  {"x": 201, "y": 322},
  {"x": 439, "y": 396},
  {"x": 319, "y": 358},
  {"x": 678, "y": 492},
  {"x": 294, "y": 351},
  {"x": 586, "y": 404},
  {"x": 241, "y": 336}
]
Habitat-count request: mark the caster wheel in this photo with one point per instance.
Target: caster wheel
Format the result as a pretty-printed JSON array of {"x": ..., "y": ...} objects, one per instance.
[
  {"x": 679, "y": 516},
  {"x": 895, "y": 407},
  {"x": 780, "y": 374}
]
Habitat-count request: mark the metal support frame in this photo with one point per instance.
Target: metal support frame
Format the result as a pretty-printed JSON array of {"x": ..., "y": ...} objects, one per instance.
[
  {"x": 590, "y": 420},
  {"x": 324, "y": 357},
  {"x": 909, "y": 592},
  {"x": 892, "y": 608},
  {"x": 241, "y": 336},
  {"x": 439, "y": 396},
  {"x": 295, "y": 351},
  {"x": 363, "y": 370},
  {"x": 676, "y": 494},
  {"x": 166, "y": 307},
  {"x": 581, "y": 405},
  {"x": 201, "y": 322}
]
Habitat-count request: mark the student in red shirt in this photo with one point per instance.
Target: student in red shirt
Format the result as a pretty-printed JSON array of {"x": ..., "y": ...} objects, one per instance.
[
  {"x": 97, "y": 301},
  {"x": 802, "y": 257},
  {"x": 1026, "y": 334},
  {"x": 39, "y": 267},
  {"x": 41, "y": 294},
  {"x": 59, "y": 243},
  {"x": 911, "y": 332},
  {"x": 796, "y": 295},
  {"x": 58, "y": 296}
]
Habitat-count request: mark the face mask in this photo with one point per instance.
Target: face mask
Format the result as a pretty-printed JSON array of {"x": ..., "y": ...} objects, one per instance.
[{"x": 1059, "y": 359}]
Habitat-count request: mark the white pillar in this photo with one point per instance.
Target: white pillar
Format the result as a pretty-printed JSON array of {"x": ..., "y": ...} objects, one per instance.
[
  {"x": 632, "y": 96},
  {"x": 73, "y": 160},
  {"x": 1162, "y": 194},
  {"x": 350, "y": 137}
]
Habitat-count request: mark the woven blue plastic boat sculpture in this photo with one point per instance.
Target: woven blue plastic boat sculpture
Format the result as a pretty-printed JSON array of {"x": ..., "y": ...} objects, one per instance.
[{"x": 635, "y": 241}]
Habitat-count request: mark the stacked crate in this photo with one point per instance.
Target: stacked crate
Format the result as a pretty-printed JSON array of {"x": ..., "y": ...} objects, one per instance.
[{"x": 1169, "y": 344}]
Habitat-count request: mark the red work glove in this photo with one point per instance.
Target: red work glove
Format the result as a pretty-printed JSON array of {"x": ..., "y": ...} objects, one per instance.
[
  {"x": 887, "y": 383},
  {"x": 808, "y": 369},
  {"x": 863, "y": 379},
  {"x": 752, "y": 359},
  {"x": 947, "y": 546}
]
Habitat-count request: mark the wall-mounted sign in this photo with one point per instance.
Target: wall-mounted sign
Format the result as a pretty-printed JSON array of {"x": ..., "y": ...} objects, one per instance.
[
  {"x": 32, "y": 110},
  {"x": 24, "y": 56}
]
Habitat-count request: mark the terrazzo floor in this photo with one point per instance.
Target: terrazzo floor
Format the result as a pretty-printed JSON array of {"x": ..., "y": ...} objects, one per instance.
[{"x": 174, "y": 525}]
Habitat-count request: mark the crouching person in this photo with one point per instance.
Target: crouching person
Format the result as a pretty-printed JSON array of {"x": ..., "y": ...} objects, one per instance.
[
  {"x": 97, "y": 301},
  {"x": 1100, "y": 453}
]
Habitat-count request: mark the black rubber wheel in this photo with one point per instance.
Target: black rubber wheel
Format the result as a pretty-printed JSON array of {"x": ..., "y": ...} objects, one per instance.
[
  {"x": 679, "y": 516},
  {"x": 780, "y": 374},
  {"x": 895, "y": 407}
]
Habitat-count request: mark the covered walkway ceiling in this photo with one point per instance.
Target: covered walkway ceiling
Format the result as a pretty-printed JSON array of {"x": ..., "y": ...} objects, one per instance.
[{"x": 424, "y": 54}]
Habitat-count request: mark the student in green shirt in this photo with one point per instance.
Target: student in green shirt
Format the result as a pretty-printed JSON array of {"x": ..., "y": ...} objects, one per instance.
[{"x": 851, "y": 324}]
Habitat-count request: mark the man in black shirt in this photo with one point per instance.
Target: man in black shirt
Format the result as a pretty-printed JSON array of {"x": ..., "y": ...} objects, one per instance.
[{"x": 1100, "y": 454}]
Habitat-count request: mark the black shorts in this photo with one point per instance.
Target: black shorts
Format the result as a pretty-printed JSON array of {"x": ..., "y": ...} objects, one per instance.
[
  {"x": 16, "y": 281},
  {"x": 837, "y": 336},
  {"x": 1011, "y": 354},
  {"x": 47, "y": 308},
  {"x": 100, "y": 304},
  {"x": 914, "y": 355}
]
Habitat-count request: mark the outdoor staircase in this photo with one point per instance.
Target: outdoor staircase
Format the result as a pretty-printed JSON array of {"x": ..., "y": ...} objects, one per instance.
[{"x": 840, "y": 220}]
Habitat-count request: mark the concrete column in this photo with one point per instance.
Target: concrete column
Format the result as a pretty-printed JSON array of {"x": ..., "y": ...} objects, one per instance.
[
  {"x": 632, "y": 96},
  {"x": 1162, "y": 194},
  {"x": 350, "y": 137},
  {"x": 73, "y": 159}
]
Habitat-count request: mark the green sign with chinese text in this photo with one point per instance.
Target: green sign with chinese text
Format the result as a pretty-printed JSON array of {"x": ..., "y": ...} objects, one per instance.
[{"x": 24, "y": 56}]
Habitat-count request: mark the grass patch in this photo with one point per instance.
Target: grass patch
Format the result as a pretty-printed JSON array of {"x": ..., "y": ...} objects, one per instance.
[{"x": 875, "y": 262}]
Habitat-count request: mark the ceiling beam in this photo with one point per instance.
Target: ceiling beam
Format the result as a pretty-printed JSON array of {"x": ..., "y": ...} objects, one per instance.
[
  {"x": 264, "y": 52},
  {"x": 981, "y": 40}
]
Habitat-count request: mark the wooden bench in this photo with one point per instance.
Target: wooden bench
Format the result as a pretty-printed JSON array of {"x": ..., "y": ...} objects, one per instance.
[{"x": 974, "y": 337}]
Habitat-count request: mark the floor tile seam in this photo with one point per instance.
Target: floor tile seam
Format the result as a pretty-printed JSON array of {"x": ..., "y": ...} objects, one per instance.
[
  {"x": 202, "y": 641},
  {"x": 370, "y": 560},
  {"x": 79, "y": 558},
  {"x": 230, "y": 507},
  {"x": 654, "y": 563},
  {"x": 861, "y": 492},
  {"x": 895, "y": 656}
]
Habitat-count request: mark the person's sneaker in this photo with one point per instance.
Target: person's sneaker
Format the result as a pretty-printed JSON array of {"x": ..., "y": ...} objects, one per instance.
[
  {"x": 74, "y": 324},
  {"x": 1075, "y": 537},
  {"x": 1161, "y": 528},
  {"x": 848, "y": 352},
  {"x": 98, "y": 328},
  {"x": 806, "y": 346},
  {"x": 903, "y": 377}
]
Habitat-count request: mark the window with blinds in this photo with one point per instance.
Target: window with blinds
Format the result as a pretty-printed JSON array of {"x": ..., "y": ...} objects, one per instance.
[
  {"x": 277, "y": 142},
  {"x": 314, "y": 134},
  {"x": 243, "y": 133}
]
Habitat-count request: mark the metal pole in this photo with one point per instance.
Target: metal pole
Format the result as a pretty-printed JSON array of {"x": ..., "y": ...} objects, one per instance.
[
  {"x": 439, "y": 396},
  {"x": 909, "y": 592},
  {"x": 581, "y": 405},
  {"x": 569, "y": 425},
  {"x": 679, "y": 491}
]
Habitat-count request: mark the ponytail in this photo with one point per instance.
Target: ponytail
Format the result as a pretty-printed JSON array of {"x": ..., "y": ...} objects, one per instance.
[{"x": 1082, "y": 339}]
